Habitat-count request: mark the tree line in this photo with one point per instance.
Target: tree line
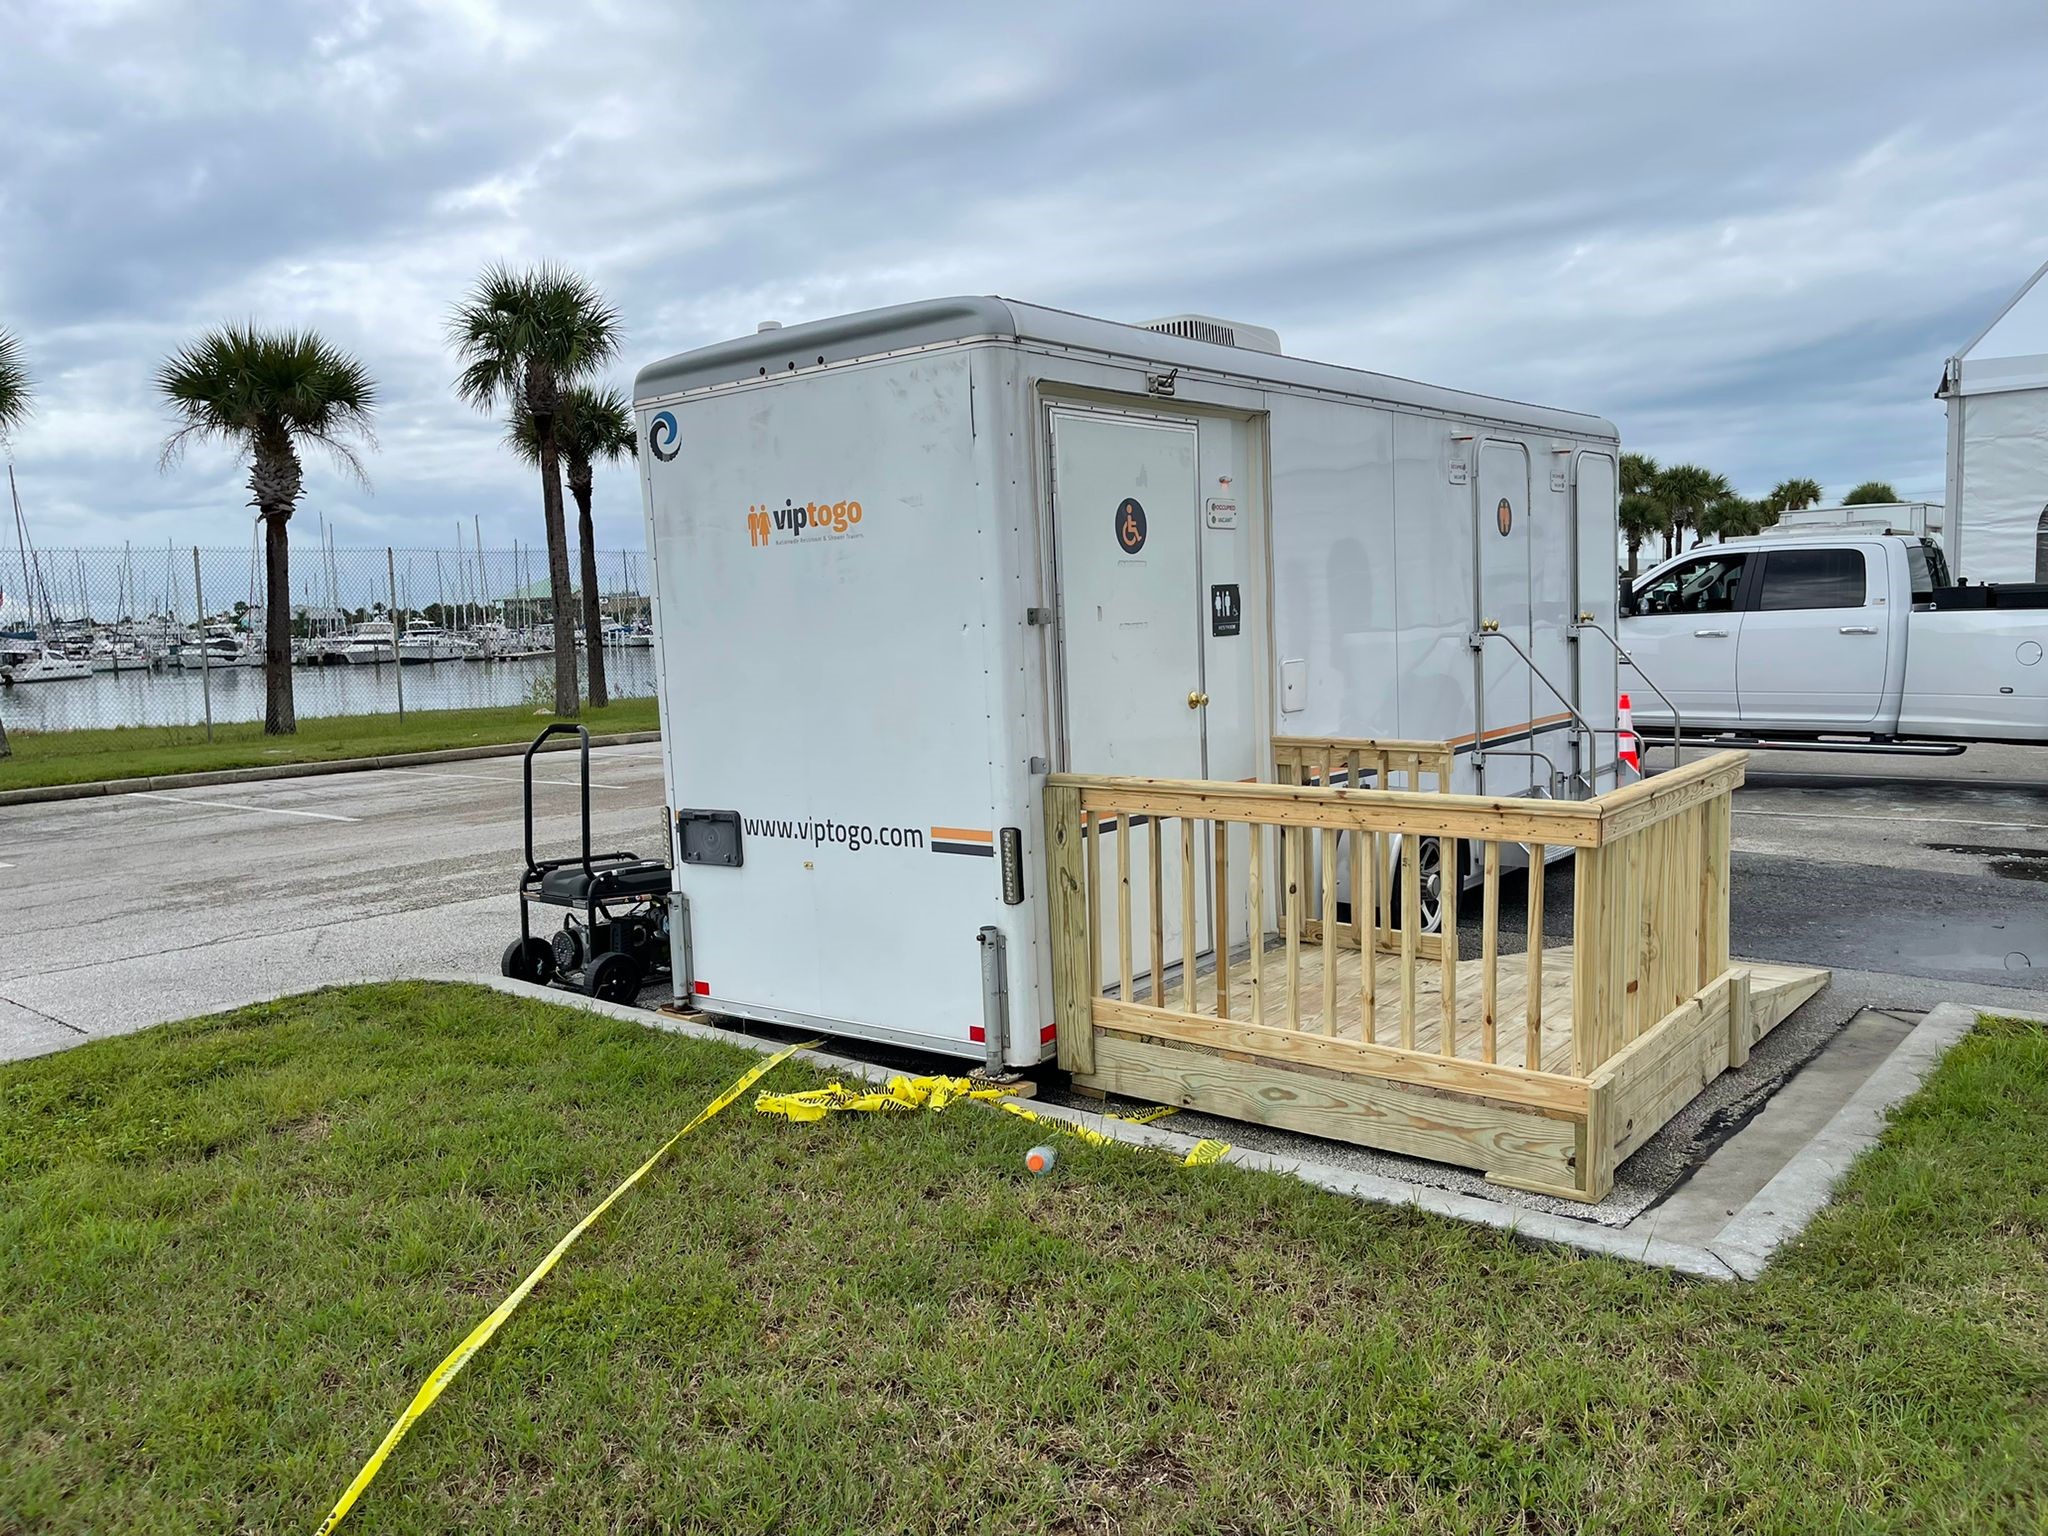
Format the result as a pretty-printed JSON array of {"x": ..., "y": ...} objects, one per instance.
[
  {"x": 531, "y": 343},
  {"x": 1668, "y": 502}
]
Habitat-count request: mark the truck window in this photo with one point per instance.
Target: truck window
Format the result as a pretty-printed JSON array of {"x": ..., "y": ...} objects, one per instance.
[
  {"x": 1706, "y": 585},
  {"x": 1812, "y": 578},
  {"x": 1928, "y": 569}
]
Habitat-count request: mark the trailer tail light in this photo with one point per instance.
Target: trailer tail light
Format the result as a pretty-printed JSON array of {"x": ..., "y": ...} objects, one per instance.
[{"x": 1012, "y": 859}]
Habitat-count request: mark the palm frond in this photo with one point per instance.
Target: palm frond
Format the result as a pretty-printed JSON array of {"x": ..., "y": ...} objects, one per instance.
[
  {"x": 546, "y": 325},
  {"x": 17, "y": 389},
  {"x": 238, "y": 384}
]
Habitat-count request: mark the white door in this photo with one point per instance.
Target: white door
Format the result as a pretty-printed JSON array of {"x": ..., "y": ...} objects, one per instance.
[
  {"x": 1501, "y": 534},
  {"x": 1127, "y": 531},
  {"x": 1683, "y": 633},
  {"x": 1813, "y": 641}
]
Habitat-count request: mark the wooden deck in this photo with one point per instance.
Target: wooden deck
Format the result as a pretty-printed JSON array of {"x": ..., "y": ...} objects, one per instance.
[{"x": 1775, "y": 990}]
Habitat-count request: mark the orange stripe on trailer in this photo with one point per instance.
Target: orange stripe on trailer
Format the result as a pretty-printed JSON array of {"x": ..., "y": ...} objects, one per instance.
[{"x": 962, "y": 835}]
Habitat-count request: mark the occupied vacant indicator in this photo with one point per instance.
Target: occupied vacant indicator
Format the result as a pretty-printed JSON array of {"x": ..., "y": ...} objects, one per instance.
[{"x": 1224, "y": 609}]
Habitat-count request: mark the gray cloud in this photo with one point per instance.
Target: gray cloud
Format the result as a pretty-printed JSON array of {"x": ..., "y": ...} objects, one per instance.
[{"x": 1748, "y": 233}]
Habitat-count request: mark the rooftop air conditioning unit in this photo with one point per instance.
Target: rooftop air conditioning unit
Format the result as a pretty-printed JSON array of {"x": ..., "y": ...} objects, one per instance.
[{"x": 1223, "y": 333}]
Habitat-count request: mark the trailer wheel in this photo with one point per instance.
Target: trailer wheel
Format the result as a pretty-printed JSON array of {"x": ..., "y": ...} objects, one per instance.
[
  {"x": 1429, "y": 853},
  {"x": 529, "y": 960},
  {"x": 613, "y": 976}
]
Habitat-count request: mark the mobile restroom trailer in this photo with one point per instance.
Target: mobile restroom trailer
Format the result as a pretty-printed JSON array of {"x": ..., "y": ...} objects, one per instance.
[{"x": 907, "y": 562}]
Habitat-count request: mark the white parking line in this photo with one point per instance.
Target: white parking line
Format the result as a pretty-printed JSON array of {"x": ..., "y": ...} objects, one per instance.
[
  {"x": 224, "y": 805},
  {"x": 501, "y": 778},
  {"x": 1945, "y": 821}
]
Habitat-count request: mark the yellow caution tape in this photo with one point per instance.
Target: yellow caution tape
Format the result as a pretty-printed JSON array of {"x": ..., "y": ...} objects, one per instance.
[
  {"x": 1207, "y": 1150},
  {"x": 909, "y": 1093},
  {"x": 1147, "y": 1116},
  {"x": 437, "y": 1380}
]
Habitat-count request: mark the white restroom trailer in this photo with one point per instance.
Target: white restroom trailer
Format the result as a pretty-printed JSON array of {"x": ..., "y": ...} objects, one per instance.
[{"x": 907, "y": 562}]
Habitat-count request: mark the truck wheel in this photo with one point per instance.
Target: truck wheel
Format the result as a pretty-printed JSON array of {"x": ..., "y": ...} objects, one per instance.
[
  {"x": 528, "y": 960},
  {"x": 1429, "y": 853},
  {"x": 613, "y": 976}
]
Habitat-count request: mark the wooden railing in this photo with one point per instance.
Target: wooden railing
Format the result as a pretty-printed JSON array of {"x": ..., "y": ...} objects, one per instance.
[{"x": 1277, "y": 952}]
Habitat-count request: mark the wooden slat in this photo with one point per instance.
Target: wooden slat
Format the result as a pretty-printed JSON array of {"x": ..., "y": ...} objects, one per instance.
[
  {"x": 1411, "y": 923},
  {"x": 1291, "y": 839},
  {"x": 1219, "y": 832},
  {"x": 1255, "y": 925},
  {"x": 1643, "y": 804},
  {"x": 1187, "y": 914},
  {"x": 1075, "y": 977},
  {"x": 1153, "y": 834},
  {"x": 1123, "y": 907},
  {"x": 1489, "y": 954},
  {"x": 1329, "y": 879},
  {"x": 1449, "y": 885},
  {"x": 1532, "y": 1044},
  {"x": 1094, "y": 836},
  {"x": 1545, "y": 1091}
]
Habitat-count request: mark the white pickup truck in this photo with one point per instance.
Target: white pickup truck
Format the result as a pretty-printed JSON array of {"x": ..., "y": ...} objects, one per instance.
[{"x": 1836, "y": 634}]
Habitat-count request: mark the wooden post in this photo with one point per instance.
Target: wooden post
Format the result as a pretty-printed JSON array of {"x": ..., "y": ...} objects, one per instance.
[
  {"x": 1291, "y": 841},
  {"x": 1532, "y": 1045},
  {"x": 1450, "y": 880},
  {"x": 1254, "y": 901},
  {"x": 1154, "y": 827},
  {"x": 1187, "y": 914},
  {"x": 1738, "y": 1018},
  {"x": 1123, "y": 907},
  {"x": 1329, "y": 865},
  {"x": 1365, "y": 850},
  {"x": 1220, "y": 940},
  {"x": 1593, "y": 945},
  {"x": 1074, "y": 977},
  {"x": 1489, "y": 953},
  {"x": 1092, "y": 828},
  {"x": 1411, "y": 921},
  {"x": 1714, "y": 886}
]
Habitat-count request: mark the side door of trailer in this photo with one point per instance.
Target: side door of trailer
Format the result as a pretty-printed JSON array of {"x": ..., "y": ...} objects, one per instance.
[
  {"x": 1127, "y": 542},
  {"x": 1507, "y": 689}
]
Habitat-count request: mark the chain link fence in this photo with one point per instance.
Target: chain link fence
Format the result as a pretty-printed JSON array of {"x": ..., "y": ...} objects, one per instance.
[{"x": 93, "y": 638}]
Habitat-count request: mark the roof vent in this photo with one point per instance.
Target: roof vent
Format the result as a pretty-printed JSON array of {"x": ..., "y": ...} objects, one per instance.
[
  {"x": 768, "y": 325},
  {"x": 1222, "y": 333}
]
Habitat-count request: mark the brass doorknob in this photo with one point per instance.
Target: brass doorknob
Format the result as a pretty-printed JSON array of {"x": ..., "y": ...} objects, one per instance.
[{"x": 1197, "y": 700}]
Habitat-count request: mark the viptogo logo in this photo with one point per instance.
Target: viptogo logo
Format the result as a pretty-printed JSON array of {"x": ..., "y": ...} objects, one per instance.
[{"x": 790, "y": 523}]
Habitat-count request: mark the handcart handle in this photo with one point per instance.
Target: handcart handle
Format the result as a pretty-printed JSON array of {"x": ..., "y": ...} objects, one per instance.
[{"x": 560, "y": 727}]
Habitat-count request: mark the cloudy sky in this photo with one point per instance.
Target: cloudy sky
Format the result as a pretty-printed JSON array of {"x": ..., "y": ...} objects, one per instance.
[{"x": 1748, "y": 233}]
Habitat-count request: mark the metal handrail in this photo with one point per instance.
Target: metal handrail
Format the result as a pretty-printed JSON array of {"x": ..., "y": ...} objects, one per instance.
[
  {"x": 1489, "y": 629},
  {"x": 1586, "y": 620}
]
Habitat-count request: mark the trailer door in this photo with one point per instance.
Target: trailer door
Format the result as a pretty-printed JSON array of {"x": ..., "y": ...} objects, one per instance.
[
  {"x": 1501, "y": 532},
  {"x": 1127, "y": 531}
]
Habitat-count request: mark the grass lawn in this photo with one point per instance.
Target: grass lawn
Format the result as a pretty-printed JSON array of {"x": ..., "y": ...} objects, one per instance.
[
  {"x": 141, "y": 751},
  {"x": 230, "y": 1250}
]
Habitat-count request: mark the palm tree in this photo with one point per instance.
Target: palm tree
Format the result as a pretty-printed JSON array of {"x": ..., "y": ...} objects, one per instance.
[
  {"x": 524, "y": 338},
  {"x": 268, "y": 394},
  {"x": 1794, "y": 495},
  {"x": 1638, "y": 474},
  {"x": 1871, "y": 493},
  {"x": 1642, "y": 515},
  {"x": 1735, "y": 516},
  {"x": 16, "y": 392},
  {"x": 595, "y": 426},
  {"x": 1687, "y": 490}
]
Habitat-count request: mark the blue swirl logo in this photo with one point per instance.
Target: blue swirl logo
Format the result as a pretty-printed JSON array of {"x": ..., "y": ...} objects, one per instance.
[{"x": 661, "y": 436}]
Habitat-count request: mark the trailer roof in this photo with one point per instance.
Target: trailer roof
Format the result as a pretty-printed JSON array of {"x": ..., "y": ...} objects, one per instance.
[{"x": 931, "y": 322}]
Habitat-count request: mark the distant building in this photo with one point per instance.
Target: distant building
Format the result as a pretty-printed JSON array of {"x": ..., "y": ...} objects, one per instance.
[
  {"x": 1922, "y": 517},
  {"x": 1996, "y": 390}
]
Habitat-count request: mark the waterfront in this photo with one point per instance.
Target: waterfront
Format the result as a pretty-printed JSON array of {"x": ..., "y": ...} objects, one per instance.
[{"x": 175, "y": 696}]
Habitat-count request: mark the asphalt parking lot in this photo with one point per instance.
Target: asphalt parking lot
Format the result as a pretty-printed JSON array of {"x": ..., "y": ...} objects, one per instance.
[{"x": 1918, "y": 880}]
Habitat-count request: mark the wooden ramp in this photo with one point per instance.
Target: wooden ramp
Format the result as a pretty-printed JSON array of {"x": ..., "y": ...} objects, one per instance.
[{"x": 1775, "y": 990}]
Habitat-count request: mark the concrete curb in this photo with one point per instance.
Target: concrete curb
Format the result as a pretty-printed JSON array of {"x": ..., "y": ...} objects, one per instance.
[
  {"x": 1800, "y": 1190},
  {"x": 301, "y": 770}
]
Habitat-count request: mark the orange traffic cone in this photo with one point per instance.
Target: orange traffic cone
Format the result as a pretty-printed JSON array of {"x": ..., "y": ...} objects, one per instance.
[{"x": 1626, "y": 740}]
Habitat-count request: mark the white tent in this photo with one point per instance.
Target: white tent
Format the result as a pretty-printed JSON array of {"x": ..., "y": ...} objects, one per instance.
[{"x": 1996, "y": 389}]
